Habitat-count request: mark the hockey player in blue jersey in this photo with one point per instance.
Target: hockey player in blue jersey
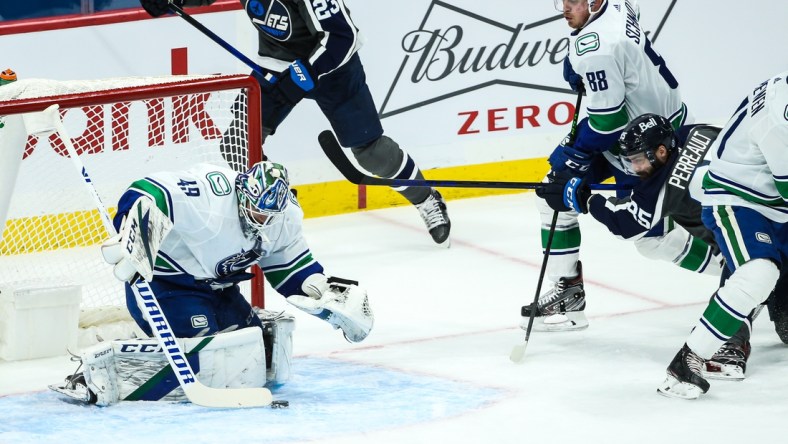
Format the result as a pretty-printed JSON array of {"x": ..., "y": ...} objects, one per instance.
[
  {"x": 623, "y": 77},
  {"x": 308, "y": 49},
  {"x": 204, "y": 227},
  {"x": 649, "y": 149}
]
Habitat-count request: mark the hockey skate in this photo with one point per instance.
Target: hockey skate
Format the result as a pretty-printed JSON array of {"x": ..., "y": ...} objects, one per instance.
[
  {"x": 436, "y": 218},
  {"x": 730, "y": 361},
  {"x": 684, "y": 378},
  {"x": 561, "y": 308},
  {"x": 74, "y": 385},
  {"x": 778, "y": 313}
]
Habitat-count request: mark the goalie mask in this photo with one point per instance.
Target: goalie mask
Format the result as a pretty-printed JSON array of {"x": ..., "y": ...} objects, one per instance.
[
  {"x": 641, "y": 138},
  {"x": 262, "y": 198}
]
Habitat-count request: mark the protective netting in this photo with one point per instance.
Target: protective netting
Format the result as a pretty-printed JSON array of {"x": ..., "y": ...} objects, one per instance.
[{"x": 123, "y": 129}]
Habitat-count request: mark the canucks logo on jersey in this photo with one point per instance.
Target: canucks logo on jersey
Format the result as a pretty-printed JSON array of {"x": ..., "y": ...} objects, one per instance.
[
  {"x": 236, "y": 263},
  {"x": 273, "y": 20}
]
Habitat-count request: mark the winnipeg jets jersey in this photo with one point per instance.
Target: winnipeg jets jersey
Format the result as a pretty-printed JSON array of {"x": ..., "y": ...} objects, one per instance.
[
  {"x": 667, "y": 193},
  {"x": 624, "y": 76},
  {"x": 749, "y": 161},
  {"x": 319, "y": 32},
  {"x": 207, "y": 239}
]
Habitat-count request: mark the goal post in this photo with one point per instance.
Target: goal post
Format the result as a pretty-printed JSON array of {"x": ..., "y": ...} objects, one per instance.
[{"x": 122, "y": 129}]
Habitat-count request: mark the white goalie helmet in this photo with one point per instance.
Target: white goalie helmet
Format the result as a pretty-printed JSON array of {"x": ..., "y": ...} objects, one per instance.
[{"x": 263, "y": 194}]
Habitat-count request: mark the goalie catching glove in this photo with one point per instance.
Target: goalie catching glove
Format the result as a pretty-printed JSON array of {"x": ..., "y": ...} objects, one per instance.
[
  {"x": 340, "y": 302},
  {"x": 134, "y": 249}
]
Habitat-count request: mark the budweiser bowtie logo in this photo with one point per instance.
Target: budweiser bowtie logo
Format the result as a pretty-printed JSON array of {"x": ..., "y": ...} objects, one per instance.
[{"x": 457, "y": 51}]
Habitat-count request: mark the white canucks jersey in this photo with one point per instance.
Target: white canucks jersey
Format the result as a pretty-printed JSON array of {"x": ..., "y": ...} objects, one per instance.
[
  {"x": 623, "y": 75},
  {"x": 749, "y": 160},
  {"x": 207, "y": 239}
]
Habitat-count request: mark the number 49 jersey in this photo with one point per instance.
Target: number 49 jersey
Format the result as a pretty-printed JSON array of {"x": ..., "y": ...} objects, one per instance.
[
  {"x": 207, "y": 239},
  {"x": 624, "y": 76}
]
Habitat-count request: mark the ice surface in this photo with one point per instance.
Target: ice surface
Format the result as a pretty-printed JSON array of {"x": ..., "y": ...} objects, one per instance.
[{"x": 436, "y": 367}]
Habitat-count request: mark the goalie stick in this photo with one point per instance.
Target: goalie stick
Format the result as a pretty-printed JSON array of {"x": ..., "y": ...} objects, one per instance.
[
  {"x": 328, "y": 142},
  {"x": 517, "y": 354},
  {"x": 195, "y": 391}
]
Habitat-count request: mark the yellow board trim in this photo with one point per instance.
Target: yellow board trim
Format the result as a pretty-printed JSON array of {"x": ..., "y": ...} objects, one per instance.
[{"x": 35, "y": 234}]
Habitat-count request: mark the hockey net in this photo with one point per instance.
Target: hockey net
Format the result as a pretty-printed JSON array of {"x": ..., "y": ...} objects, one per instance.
[{"x": 122, "y": 129}]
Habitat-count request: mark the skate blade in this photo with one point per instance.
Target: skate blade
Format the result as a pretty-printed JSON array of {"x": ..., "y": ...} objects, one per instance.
[
  {"x": 673, "y": 388},
  {"x": 570, "y": 321},
  {"x": 722, "y": 372},
  {"x": 80, "y": 393}
]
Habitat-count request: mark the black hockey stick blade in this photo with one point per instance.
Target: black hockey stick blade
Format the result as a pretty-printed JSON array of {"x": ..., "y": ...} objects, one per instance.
[{"x": 330, "y": 145}]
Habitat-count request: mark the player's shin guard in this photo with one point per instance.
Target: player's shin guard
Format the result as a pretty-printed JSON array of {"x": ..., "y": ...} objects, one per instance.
[
  {"x": 747, "y": 287},
  {"x": 565, "y": 249}
]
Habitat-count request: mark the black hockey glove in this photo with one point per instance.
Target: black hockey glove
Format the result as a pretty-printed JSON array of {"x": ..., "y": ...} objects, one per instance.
[
  {"x": 295, "y": 82},
  {"x": 158, "y": 8},
  {"x": 553, "y": 191}
]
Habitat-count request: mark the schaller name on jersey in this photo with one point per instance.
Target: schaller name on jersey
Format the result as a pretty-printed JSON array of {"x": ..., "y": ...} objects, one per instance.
[{"x": 689, "y": 156}]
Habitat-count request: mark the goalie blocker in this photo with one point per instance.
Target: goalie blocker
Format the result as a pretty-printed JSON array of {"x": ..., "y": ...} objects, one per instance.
[{"x": 137, "y": 369}]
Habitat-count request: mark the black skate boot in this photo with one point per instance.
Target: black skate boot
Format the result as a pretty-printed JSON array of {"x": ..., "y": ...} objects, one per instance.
[
  {"x": 436, "y": 218},
  {"x": 561, "y": 308},
  {"x": 778, "y": 313},
  {"x": 684, "y": 378},
  {"x": 730, "y": 361}
]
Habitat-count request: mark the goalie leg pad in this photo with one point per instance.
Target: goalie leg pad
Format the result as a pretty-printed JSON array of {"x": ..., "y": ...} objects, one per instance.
[
  {"x": 278, "y": 335},
  {"x": 136, "y": 370}
]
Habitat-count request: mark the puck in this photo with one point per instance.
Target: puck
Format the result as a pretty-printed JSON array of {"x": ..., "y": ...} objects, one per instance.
[{"x": 280, "y": 404}]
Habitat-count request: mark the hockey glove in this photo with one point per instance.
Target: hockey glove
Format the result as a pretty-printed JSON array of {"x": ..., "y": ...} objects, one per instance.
[
  {"x": 553, "y": 191},
  {"x": 576, "y": 195},
  {"x": 574, "y": 79},
  {"x": 134, "y": 249},
  {"x": 157, "y": 8},
  {"x": 295, "y": 83},
  {"x": 565, "y": 157},
  {"x": 340, "y": 302}
]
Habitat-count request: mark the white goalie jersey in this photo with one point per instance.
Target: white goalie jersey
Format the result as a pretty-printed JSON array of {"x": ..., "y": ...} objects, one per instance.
[{"x": 207, "y": 239}]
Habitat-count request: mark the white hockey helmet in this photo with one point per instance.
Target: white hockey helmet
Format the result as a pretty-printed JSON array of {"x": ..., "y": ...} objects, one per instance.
[{"x": 263, "y": 193}]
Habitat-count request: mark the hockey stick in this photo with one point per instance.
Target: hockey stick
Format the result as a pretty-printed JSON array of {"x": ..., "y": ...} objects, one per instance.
[
  {"x": 518, "y": 351},
  {"x": 332, "y": 148},
  {"x": 221, "y": 42},
  {"x": 195, "y": 391}
]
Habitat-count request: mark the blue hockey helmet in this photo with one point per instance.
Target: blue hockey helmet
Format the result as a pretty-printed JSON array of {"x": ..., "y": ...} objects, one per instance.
[{"x": 263, "y": 193}]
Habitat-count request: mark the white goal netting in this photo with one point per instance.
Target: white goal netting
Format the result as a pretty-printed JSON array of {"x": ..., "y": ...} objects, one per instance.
[{"x": 123, "y": 129}]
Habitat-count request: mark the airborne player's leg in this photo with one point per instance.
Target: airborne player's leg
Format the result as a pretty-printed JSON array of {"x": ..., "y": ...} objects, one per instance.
[{"x": 347, "y": 102}]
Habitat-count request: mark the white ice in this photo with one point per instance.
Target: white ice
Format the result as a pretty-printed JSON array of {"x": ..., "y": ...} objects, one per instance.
[{"x": 436, "y": 367}]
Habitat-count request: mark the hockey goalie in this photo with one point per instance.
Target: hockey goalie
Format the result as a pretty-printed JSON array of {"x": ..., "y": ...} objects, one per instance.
[{"x": 192, "y": 235}]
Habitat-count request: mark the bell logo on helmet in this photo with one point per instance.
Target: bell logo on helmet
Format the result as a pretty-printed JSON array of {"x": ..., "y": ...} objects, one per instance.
[{"x": 650, "y": 123}]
